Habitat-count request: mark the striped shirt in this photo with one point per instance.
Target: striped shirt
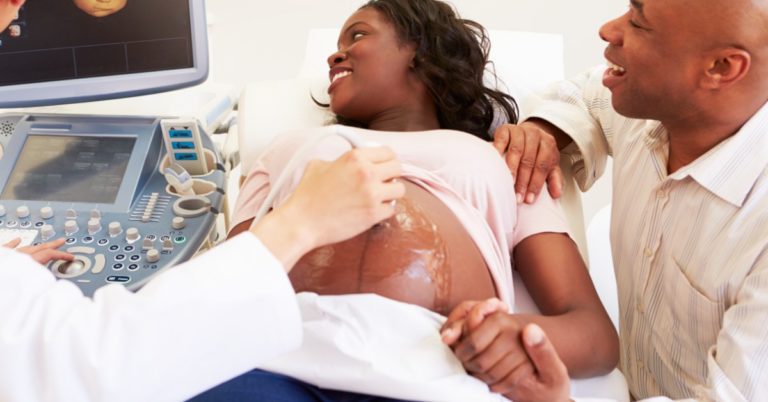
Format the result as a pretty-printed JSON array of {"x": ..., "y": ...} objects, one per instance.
[{"x": 689, "y": 248}]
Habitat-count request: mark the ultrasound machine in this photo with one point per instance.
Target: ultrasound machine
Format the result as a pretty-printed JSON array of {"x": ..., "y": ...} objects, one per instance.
[{"x": 132, "y": 195}]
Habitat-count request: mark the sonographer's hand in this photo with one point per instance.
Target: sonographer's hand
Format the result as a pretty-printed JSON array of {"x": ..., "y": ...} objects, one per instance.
[
  {"x": 42, "y": 253},
  {"x": 533, "y": 158},
  {"x": 334, "y": 201},
  {"x": 345, "y": 197}
]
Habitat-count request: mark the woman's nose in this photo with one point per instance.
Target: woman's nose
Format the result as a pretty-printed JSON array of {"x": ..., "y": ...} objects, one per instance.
[{"x": 336, "y": 58}]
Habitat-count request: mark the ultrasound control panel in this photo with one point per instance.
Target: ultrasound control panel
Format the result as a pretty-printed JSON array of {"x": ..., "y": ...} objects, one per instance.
[{"x": 100, "y": 183}]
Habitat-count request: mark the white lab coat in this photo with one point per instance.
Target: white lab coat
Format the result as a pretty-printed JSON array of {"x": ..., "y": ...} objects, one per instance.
[{"x": 192, "y": 327}]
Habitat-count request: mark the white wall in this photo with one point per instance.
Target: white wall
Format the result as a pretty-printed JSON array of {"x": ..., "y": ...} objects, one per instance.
[{"x": 255, "y": 39}]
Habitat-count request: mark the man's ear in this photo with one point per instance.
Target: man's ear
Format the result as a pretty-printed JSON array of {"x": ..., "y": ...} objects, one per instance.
[
  {"x": 726, "y": 68},
  {"x": 17, "y": 3}
]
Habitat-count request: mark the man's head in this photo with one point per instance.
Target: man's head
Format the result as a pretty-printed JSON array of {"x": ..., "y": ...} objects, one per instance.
[
  {"x": 674, "y": 59},
  {"x": 8, "y": 11}
]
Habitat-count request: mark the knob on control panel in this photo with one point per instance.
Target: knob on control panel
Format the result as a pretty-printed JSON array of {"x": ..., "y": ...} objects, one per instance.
[
  {"x": 46, "y": 212},
  {"x": 22, "y": 212},
  {"x": 71, "y": 214},
  {"x": 47, "y": 232},
  {"x": 115, "y": 229},
  {"x": 131, "y": 235},
  {"x": 178, "y": 223},
  {"x": 153, "y": 255},
  {"x": 70, "y": 227},
  {"x": 94, "y": 225}
]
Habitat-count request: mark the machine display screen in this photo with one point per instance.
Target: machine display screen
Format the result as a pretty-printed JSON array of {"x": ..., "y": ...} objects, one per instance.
[
  {"x": 64, "y": 39},
  {"x": 70, "y": 169}
]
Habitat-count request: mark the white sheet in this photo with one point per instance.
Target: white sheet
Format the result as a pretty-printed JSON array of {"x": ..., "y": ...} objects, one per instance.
[{"x": 369, "y": 344}]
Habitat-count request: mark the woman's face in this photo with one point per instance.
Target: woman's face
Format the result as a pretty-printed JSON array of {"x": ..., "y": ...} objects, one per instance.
[
  {"x": 100, "y": 8},
  {"x": 372, "y": 72}
]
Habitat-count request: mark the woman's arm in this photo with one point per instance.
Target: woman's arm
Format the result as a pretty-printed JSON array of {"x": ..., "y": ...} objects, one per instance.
[
  {"x": 491, "y": 347},
  {"x": 571, "y": 312}
]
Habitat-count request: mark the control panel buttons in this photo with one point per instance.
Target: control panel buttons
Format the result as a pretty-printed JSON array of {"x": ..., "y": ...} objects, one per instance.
[
  {"x": 47, "y": 232},
  {"x": 148, "y": 243},
  {"x": 153, "y": 255},
  {"x": 132, "y": 235},
  {"x": 115, "y": 229},
  {"x": 118, "y": 266},
  {"x": 22, "y": 212},
  {"x": 133, "y": 267},
  {"x": 70, "y": 227},
  {"x": 94, "y": 225},
  {"x": 118, "y": 279},
  {"x": 25, "y": 224},
  {"x": 167, "y": 245},
  {"x": 88, "y": 239},
  {"x": 71, "y": 240},
  {"x": 178, "y": 223},
  {"x": 103, "y": 242},
  {"x": 129, "y": 248},
  {"x": 71, "y": 214},
  {"x": 135, "y": 257},
  {"x": 46, "y": 213},
  {"x": 95, "y": 214}
]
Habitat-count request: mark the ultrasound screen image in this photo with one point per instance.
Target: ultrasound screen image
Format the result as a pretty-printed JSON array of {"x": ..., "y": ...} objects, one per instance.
[
  {"x": 70, "y": 169},
  {"x": 113, "y": 37}
]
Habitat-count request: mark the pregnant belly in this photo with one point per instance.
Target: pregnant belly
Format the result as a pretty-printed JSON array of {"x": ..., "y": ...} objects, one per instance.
[{"x": 422, "y": 255}]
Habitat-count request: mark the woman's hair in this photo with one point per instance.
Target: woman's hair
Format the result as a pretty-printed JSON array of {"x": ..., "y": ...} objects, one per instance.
[{"x": 451, "y": 59}]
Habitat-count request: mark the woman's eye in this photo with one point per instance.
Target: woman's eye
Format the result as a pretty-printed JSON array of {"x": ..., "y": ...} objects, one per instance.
[{"x": 357, "y": 35}]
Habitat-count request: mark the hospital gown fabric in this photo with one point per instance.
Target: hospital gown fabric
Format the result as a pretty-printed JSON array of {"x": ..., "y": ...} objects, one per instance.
[{"x": 464, "y": 172}]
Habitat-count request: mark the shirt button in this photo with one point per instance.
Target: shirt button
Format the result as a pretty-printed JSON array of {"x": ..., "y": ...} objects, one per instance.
[{"x": 648, "y": 252}]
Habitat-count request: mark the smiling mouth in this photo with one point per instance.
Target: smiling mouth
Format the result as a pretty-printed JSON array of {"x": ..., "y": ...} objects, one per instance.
[
  {"x": 616, "y": 70},
  {"x": 340, "y": 75}
]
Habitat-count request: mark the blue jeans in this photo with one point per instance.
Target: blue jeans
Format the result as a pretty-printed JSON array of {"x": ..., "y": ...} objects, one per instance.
[{"x": 259, "y": 385}]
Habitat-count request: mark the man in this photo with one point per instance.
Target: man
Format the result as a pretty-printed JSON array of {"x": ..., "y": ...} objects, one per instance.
[
  {"x": 682, "y": 109},
  {"x": 193, "y": 326}
]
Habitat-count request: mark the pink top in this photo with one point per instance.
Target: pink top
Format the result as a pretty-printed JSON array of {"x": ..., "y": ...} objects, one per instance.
[{"x": 464, "y": 172}]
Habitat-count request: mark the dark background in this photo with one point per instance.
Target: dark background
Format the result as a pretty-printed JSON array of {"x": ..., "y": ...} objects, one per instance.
[{"x": 60, "y": 41}]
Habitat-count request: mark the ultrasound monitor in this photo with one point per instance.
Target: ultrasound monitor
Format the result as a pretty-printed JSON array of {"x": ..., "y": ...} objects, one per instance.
[{"x": 66, "y": 51}]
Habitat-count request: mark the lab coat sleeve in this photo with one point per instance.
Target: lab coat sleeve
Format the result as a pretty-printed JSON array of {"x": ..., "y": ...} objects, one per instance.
[
  {"x": 582, "y": 109},
  {"x": 192, "y": 327}
]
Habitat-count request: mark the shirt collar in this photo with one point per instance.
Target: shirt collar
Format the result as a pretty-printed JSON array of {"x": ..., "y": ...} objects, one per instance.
[{"x": 730, "y": 169}]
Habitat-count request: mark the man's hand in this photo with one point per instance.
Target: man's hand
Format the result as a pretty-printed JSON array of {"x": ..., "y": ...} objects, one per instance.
[
  {"x": 487, "y": 340},
  {"x": 533, "y": 158},
  {"x": 42, "y": 253},
  {"x": 549, "y": 381}
]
